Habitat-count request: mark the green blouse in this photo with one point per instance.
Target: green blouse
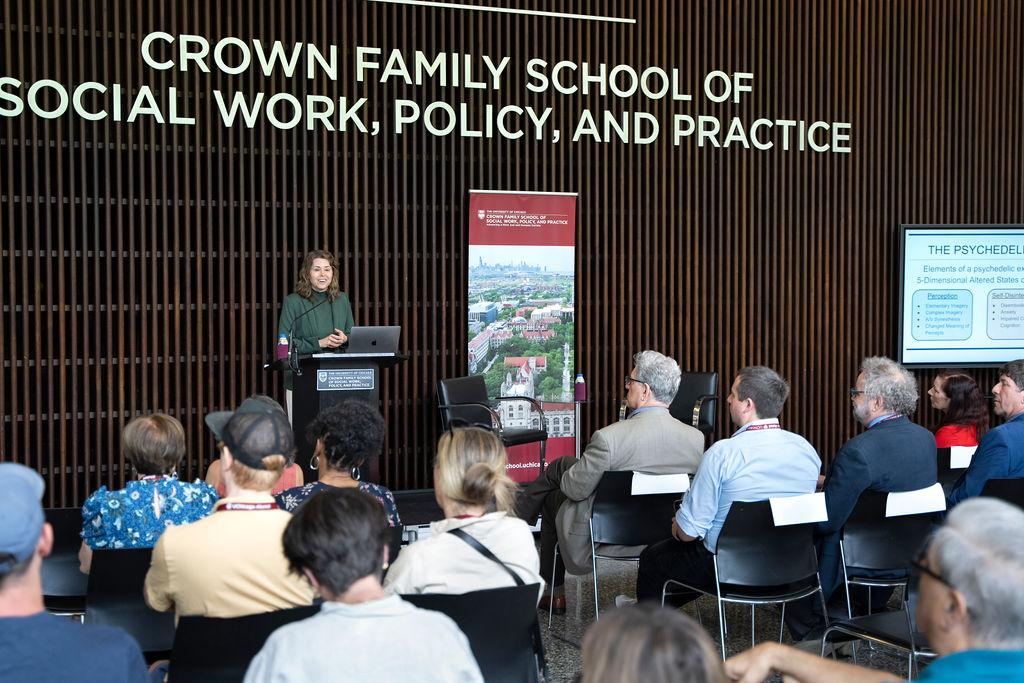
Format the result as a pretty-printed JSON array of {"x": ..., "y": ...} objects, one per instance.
[{"x": 307, "y": 332}]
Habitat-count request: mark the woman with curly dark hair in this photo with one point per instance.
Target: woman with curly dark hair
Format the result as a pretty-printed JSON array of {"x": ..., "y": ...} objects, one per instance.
[
  {"x": 964, "y": 410},
  {"x": 344, "y": 437}
]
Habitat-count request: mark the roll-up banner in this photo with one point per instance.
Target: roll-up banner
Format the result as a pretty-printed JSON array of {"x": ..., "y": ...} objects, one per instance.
[{"x": 522, "y": 312}]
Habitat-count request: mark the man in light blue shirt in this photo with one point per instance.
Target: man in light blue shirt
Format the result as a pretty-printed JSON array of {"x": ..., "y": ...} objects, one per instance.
[{"x": 760, "y": 461}]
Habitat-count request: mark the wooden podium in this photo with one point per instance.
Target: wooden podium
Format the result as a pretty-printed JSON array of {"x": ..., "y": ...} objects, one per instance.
[{"x": 328, "y": 378}]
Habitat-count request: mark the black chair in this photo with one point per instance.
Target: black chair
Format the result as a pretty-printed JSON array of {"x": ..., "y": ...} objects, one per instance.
[
  {"x": 618, "y": 518},
  {"x": 463, "y": 400},
  {"x": 115, "y": 597},
  {"x": 696, "y": 400},
  {"x": 892, "y": 629},
  {"x": 500, "y": 624},
  {"x": 872, "y": 541},
  {"x": 947, "y": 476},
  {"x": 212, "y": 650},
  {"x": 758, "y": 563},
  {"x": 1010, "y": 490},
  {"x": 64, "y": 586}
]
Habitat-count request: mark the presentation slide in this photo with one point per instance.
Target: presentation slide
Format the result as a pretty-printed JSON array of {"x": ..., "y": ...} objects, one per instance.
[{"x": 962, "y": 295}]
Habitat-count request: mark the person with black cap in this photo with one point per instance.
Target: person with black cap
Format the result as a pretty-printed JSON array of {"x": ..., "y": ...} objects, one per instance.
[
  {"x": 34, "y": 645},
  {"x": 232, "y": 563}
]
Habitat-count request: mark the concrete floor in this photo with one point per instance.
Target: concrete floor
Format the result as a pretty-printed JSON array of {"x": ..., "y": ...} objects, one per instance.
[{"x": 562, "y": 642}]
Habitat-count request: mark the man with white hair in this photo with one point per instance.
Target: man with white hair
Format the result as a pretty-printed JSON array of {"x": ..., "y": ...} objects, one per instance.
[
  {"x": 34, "y": 645},
  {"x": 1000, "y": 454},
  {"x": 970, "y": 607},
  {"x": 892, "y": 455},
  {"x": 650, "y": 440}
]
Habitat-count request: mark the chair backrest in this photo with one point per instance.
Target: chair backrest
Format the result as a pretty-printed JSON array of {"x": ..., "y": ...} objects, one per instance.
[
  {"x": 499, "y": 625},
  {"x": 873, "y": 541},
  {"x": 692, "y": 387},
  {"x": 752, "y": 551},
  {"x": 60, "y": 574},
  {"x": 115, "y": 597},
  {"x": 946, "y": 475},
  {"x": 1010, "y": 490},
  {"x": 620, "y": 518},
  {"x": 212, "y": 650},
  {"x": 459, "y": 390}
]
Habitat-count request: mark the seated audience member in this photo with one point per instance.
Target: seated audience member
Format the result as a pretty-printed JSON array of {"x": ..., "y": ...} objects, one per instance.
[
  {"x": 135, "y": 516},
  {"x": 231, "y": 563},
  {"x": 650, "y": 441},
  {"x": 338, "y": 540},
  {"x": 964, "y": 410},
  {"x": 893, "y": 454},
  {"x": 1000, "y": 454},
  {"x": 35, "y": 645},
  {"x": 477, "y": 496},
  {"x": 970, "y": 606},
  {"x": 651, "y": 644},
  {"x": 760, "y": 461},
  {"x": 290, "y": 478},
  {"x": 344, "y": 436}
]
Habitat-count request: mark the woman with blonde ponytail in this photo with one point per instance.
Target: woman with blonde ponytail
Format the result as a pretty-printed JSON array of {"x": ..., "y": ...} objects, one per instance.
[{"x": 476, "y": 495}]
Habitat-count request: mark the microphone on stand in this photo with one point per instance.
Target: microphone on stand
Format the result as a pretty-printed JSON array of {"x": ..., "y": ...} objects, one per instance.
[{"x": 293, "y": 357}]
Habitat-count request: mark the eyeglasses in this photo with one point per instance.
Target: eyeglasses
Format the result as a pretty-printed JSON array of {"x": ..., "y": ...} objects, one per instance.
[
  {"x": 629, "y": 380},
  {"x": 918, "y": 567},
  {"x": 855, "y": 392}
]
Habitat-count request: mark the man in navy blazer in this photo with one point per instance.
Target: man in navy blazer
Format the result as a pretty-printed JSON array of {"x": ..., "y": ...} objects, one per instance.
[
  {"x": 1000, "y": 454},
  {"x": 893, "y": 454}
]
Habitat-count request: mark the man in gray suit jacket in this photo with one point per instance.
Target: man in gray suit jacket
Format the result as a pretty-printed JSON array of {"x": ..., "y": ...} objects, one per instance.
[{"x": 650, "y": 441}]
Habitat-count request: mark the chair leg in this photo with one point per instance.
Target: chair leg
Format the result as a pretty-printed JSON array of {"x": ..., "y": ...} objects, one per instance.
[
  {"x": 696, "y": 604},
  {"x": 752, "y": 631},
  {"x": 782, "y": 622},
  {"x": 721, "y": 626},
  {"x": 551, "y": 589},
  {"x": 597, "y": 614}
]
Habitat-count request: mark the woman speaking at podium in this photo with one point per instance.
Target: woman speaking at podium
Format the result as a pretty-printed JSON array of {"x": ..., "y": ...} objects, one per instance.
[{"x": 317, "y": 316}]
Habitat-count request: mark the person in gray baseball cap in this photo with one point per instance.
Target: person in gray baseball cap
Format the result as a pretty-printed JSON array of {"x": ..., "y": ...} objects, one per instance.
[{"x": 35, "y": 645}]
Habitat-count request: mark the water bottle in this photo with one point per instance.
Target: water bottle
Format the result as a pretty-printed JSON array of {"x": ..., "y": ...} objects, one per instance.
[
  {"x": 282, "y": 347},
  {"x": 580, "y": 390}
]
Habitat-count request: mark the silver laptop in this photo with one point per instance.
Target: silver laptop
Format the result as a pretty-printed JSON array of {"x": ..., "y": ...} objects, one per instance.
[{"x": 374, "y": 340}]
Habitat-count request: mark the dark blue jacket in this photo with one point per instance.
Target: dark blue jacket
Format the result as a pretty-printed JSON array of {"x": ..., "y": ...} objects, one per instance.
[
  {"x": 895, "y": 455},
  {"x": 1000, "y": 455}
]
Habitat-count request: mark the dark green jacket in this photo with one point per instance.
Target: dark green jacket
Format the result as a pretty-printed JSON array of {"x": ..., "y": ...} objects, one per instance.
[{"x": 307, "y": 333}]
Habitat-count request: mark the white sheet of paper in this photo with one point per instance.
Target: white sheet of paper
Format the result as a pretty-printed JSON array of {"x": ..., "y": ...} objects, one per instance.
[
  {"x": 647, "y": 484},
  {"x": 960, "y": 457},
  {"x": 804, "y": 509},
  {"x": 931, "y": 499}
]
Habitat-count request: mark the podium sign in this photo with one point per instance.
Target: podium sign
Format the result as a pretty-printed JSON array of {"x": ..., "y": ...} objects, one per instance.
[{"x": 327, "y": 379}]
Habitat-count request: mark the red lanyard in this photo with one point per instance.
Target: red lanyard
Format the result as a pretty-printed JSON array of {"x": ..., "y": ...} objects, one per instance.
[{"x": 245, "y": 507}]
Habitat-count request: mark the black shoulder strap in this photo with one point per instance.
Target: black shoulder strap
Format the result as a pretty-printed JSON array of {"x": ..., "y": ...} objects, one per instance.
[
  {"x": 538, "y": 643},
  {"x": 482, "y": 549}
]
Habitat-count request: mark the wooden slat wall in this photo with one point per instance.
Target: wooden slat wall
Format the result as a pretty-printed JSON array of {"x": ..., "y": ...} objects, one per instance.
[{"x": 144, "y": 264}]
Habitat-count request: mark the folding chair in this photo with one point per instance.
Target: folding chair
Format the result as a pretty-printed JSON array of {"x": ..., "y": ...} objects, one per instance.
[
  {"x": 64, "y": 586},
  {"x": 213, "y": 650},
  {"x": 624, "y": 514},
  {"x": 115, "y": 597},
  {"x": 500, "y": 624},
  {"x": 1010, "y": 490},
  {"x": 881, "y": 540},
  {"x": 759, "y": 563}
]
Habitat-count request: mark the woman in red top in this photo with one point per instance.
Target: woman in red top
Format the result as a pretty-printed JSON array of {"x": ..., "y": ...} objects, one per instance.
[{"x": 956, "y": 395}]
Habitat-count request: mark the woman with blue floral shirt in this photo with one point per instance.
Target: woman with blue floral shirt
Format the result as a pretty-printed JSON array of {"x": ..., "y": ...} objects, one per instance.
[{"x": 135, "y": 516}]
